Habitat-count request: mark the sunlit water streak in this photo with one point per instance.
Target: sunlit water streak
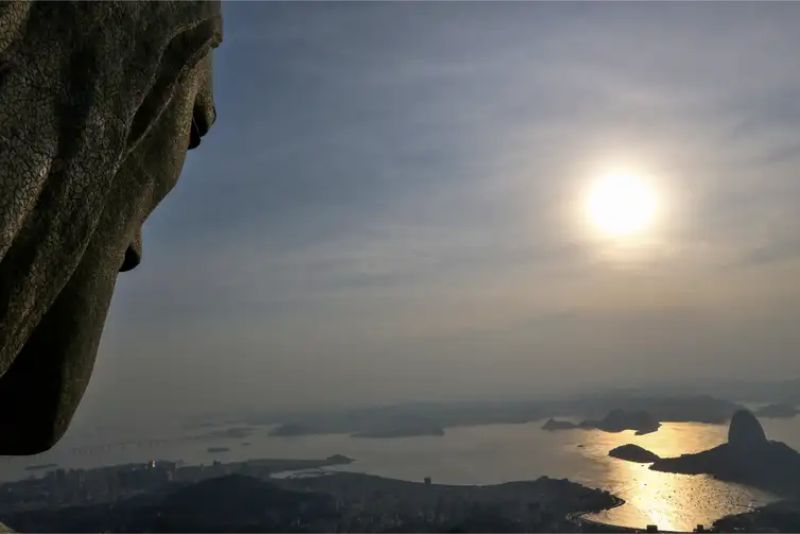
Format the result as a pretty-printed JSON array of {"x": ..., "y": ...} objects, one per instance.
[{"x": 475, "y": 455}]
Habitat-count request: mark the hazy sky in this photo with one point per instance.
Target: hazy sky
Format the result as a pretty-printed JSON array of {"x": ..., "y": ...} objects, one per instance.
[{"x": 390, "y": 208}]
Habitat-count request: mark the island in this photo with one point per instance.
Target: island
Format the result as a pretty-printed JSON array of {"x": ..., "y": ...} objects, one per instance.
[
  {"x": 616, "y": 420},
  {"x": 633, "y": 453},
  {"x": 777, "y": 411},
  {"x": 218, "y": 449},
  {"x": 555, "y": 424},
  {"x": 337, "y": 459},
  {"x": 747, "y": 458},
  {"x": 235, "y": 432}
]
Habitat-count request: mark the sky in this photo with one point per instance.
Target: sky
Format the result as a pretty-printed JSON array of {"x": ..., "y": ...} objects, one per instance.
[{"x": 390, "y": 207}]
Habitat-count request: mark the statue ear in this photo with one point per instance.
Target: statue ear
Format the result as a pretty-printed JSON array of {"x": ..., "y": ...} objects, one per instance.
[{"x": 133, "y": 254}]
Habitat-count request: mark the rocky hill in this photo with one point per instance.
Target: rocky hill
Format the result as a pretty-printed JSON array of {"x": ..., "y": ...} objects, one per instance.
[{"x": 747, "y": 458}]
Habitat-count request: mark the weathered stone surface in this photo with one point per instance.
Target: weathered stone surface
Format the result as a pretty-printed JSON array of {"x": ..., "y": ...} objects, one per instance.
[{"x": 98, "y": 104}]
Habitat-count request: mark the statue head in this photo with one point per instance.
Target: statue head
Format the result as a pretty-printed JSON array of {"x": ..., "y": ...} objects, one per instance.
[{"x": 99, "y": 103}]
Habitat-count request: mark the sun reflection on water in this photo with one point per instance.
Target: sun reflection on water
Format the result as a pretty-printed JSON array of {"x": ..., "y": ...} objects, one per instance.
[
  {"x": 672, "y": 502},
  {"x": 483, "y": 454}
]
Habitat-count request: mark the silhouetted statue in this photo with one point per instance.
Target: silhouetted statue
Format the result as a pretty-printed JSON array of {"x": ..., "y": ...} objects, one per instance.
[{"x": 98, "y": 104}]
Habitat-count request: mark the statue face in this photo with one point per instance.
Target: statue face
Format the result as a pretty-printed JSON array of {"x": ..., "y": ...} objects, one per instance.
[{"x": 43, "y": 386}]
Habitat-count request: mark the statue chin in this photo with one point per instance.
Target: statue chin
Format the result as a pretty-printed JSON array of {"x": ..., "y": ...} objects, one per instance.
[{"x": 43, "y": 387}]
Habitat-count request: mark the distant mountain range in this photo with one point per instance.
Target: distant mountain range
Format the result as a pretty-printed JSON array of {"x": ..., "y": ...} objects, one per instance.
[
  {"x": 742, "y": 390},
  {"x": 608, "y": 412}
]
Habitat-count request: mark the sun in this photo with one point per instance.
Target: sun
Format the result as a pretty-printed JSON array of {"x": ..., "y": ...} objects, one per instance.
[{"x": 621, "y": 205}]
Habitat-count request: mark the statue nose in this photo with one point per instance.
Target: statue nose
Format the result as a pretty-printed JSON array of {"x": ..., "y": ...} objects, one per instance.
[{"x": 133, "y": 254}]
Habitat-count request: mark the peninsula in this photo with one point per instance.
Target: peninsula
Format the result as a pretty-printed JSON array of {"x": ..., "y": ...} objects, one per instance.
[{"x": 747, "y": 458}]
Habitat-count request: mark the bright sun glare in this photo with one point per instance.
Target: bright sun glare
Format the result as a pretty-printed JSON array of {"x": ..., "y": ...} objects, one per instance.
[{"x": 621, "y": 205}]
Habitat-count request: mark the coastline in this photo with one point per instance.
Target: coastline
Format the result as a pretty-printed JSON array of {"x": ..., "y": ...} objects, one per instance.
[
  {"x": 593, "y": 525},
  {"x": 417, "y": 465}
]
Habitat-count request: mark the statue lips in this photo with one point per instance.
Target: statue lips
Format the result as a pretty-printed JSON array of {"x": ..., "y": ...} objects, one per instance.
[{"x": 59, "y": 265}]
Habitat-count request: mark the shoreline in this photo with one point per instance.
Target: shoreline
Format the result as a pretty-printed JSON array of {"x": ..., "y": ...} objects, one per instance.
[
  {"x": 599, "y": 526},
  {"x": 593, "y": 525}
]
